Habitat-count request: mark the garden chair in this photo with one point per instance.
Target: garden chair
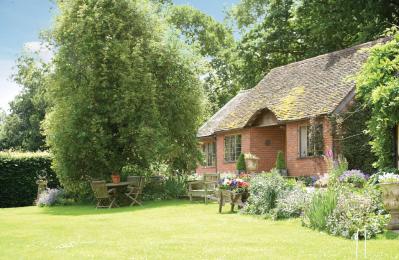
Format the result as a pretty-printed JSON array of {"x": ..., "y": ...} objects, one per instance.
[
  {"x": 105, "y": 198},
  {"x": 203, "y": 188},
  {"x": 135, "y": 189}
]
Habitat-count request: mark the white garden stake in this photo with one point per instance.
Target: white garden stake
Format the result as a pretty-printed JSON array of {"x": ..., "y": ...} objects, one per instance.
[
  {"x": 357, "y": 243},
  {"x": 365, "y": 244}
]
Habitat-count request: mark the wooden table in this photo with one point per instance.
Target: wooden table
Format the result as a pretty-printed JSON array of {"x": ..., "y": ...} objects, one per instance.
[
  {"x": 117, "y": 185},
  {"x": 120, "y": 189}
]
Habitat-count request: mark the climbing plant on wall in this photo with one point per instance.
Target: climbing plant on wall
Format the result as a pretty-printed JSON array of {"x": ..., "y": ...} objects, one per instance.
[
  {"x": 349, "y": 131},
  {"x": 378, "y": 90}
]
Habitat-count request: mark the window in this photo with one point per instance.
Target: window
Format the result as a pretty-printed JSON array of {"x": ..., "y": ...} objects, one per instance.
[
  {"x": 311, "y": 140},
  {"x": 209, "y": 150},
  {"x": 232, "y": 148}
]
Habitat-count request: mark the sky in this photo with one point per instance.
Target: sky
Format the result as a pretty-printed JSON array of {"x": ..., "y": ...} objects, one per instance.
[{"x": 21, "y": 22}]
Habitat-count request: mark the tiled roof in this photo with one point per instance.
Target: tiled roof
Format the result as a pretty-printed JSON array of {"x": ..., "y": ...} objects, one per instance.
[{"x": 296, "y": 91}]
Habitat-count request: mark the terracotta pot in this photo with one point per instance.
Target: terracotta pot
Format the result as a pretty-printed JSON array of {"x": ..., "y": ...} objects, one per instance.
[
  {"x": 116, "y": 178},
  {"x": 390, "y": 196}
]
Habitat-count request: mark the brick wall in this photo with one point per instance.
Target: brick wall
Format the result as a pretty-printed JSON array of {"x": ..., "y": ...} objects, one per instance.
[
  {"x": 253, "y": 140},
  {"x": 265, "y": 143},
  {"x": 223, "y": 166},
  {"x": 305, "y": 166}
]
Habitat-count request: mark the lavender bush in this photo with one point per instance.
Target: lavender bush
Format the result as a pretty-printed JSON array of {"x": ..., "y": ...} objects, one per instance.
[
  {"x": 354, "y": 177},
  {"x": 49, "y": 197}
]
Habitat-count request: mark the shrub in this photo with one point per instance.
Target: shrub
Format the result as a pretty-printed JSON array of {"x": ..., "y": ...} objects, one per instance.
[
  {"x": 319, "y": 209},
  {"x": 308, "y": 181},
  {"x": 280, "y": 162},
  {"x": 264, "y": 191},
  {"x": 154, "y": 188},
  {"x": 175, "y": 187},
  {"x": 241, "y": 163},
  {"x": 291, "y": 203},
  {"x": 161, "y": 188},
  {"x": 356, "y": 212},
  {"x": 19, "y": 173},
  {"x": 354, "y": 177}
]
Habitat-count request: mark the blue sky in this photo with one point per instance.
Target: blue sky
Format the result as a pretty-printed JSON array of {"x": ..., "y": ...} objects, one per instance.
[{"x": 22, "y": 20}]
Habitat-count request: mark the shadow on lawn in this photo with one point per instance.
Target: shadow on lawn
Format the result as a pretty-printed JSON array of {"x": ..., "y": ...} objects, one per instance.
[
  {"x": 391, "y": 235},
  {"x": 79, "y": 210}
]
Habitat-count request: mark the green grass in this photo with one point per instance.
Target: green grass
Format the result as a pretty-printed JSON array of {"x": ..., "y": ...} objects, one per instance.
[{"x": 169, "y": 230}]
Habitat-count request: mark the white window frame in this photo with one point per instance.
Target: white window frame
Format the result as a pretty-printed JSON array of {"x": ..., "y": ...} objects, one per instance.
[
  {"x": 232, "y": 148},
  {"x": 209, "y": 151},
  {"x": 305, "y": 143}
]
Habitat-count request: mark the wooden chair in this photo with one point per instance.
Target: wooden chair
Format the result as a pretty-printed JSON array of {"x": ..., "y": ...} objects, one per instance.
[
  {"x": 203, "y": 188},
  {"x": 135, "y": 189},
  {"x": 105, "y": 198}
]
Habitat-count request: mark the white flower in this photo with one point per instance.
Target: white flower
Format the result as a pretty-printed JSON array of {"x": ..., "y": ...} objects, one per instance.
[{"x": 388, "y": 178}]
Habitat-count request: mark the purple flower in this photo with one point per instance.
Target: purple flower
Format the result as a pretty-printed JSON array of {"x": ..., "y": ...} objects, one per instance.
[{"x": 353, "y": 176}]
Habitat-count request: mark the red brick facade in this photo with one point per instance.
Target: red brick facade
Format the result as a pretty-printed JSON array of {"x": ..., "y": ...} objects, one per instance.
[{"x": 265, "y": 142}]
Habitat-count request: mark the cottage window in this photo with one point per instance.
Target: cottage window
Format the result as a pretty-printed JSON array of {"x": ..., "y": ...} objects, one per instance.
[
  {"x": 209, "y": 150},
  {"x": 232, "y": 148},
  {"x": 311, "y": 140}
]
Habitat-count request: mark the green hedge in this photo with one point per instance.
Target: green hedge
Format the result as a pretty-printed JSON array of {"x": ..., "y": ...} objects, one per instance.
[{"x": 18, "y": 174}]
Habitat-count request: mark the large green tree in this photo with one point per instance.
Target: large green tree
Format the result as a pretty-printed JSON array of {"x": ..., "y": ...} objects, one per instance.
[
  {"x": 22, "y": 127},
  {"x": 277, "y": 32},
  {"x": 125, "y": 90},
  {"x": 215, "y": 42}
]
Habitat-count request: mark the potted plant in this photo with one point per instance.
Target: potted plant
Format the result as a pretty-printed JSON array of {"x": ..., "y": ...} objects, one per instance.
[
  {"x": 251, "y": 162},
  {"x": 116, "y": 178},
  {"x": 280, "y": 164},
  {"x": 241, "y": 166},
  {"x": 389, "y": 183}
]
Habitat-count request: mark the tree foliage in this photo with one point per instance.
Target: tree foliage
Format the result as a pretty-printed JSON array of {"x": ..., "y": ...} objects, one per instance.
[
  {"x": 377, "y": 89},
  {"x": 125, "y": 90},
  {"x": 278, "y": 32},
  {"x": 215, "y": 42},
  {"x": 22, "y": 127}
]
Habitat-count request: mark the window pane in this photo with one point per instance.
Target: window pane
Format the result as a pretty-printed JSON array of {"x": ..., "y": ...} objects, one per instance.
[
  {"x": 318, "y": 142},
  {"x": 238, "y": 147},
  {"x": 311, "y": 140},
  {"x": 209, "y": 150},
  {"x": 303, "y": 140},
  {"x": 232, "y": 148}
]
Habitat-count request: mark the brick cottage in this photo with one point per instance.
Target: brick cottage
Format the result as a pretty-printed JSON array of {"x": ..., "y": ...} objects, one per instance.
[{"x": 287, "y": 111}]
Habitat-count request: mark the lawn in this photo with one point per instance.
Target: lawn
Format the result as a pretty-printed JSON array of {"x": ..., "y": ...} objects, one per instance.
[{"x": 169, "y": 230}]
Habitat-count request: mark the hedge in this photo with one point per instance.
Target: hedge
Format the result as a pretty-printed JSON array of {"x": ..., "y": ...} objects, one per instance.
[{"x": 19, "y": 172}]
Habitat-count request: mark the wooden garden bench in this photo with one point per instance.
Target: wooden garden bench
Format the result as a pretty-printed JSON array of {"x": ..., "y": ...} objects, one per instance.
[{"x": 203, "y": 188}]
